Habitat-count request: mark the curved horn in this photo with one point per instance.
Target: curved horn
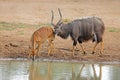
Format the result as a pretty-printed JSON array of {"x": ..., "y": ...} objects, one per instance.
[
  {"x": 52, "y": 18},
  {"x": 60, "y": 16}
]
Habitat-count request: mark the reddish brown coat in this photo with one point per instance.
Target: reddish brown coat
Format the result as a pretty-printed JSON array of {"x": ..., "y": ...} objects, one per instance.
[{"x": 39, "y": 37}]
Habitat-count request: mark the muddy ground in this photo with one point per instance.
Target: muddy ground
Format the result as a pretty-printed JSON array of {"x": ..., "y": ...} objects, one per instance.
[{"x": 14, "y": 43}]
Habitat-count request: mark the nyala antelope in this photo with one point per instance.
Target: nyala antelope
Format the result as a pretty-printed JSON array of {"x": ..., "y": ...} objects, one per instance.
[
  {"x": 81, "y": 30},
  {"x": 39, "y": 37}
]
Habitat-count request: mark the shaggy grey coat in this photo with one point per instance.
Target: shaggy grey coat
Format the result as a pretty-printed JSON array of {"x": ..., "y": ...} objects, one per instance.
[{"x": 91, "y": 28}]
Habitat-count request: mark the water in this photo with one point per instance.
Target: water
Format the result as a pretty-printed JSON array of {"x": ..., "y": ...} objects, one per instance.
[{"x": 28, "y": 70}]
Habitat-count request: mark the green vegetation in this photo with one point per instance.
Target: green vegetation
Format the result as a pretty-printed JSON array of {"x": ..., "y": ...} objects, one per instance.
[
  {"x": 66, "y": 20},
  {"x": 12, "y": 26},
  {"x": 112, "y": 29},
  {"x": 21, "y": 32}
]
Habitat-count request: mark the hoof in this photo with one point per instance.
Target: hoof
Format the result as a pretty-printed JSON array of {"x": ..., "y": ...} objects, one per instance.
[
  {"x": 93, "y": 52},
  {"x": 33, "y": 58},
  {"x": 73, "y": 55},
  {"x": 84, "y": 53},
  {"x": 49, "y": 54},
  {"x": 99, "y": 55}
]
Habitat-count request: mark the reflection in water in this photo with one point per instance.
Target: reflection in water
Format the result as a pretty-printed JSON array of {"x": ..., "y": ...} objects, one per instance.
[
  {"x": 67, "y": 71},
  {"x": 13, "y": 70},
  {"x": 78, "y": 76},
  {"x": 94, "y": 77},
  {"x": 21, "y": 70},
  {"x": 38, "y": 72}
]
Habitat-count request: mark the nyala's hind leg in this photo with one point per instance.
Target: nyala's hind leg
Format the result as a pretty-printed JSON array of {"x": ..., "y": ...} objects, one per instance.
[
  {"x": 51, "y": 46},
  {"x": 38, "y": 49},
  {"x": 101, "y": 47},
  {"x": 29, "y": 51},
  {"x": 33, "y": 57},
  {"x": 82, "y": 49},
  {"x": 80, "y": 42},
  {"x": 73, "y": 51},
  {"x": 29, "y": 55},
  {"x": 94, "y": 48},
  {"x": 33, "y": 54},
  {"x": 74, "y": 45}
]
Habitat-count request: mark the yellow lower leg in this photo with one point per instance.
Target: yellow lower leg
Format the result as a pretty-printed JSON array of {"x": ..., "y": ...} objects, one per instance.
[
  {"x": 51, "y": 45},
  {"x": 93, "y": 51},
  {"x": 73, "y": 51},
  {"x": 101, "y": 47},
  {"x": 82, "y": 48}
]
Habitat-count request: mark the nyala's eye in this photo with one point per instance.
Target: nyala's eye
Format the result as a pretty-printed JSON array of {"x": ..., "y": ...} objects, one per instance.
[{"x": 59, "y": 24}]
